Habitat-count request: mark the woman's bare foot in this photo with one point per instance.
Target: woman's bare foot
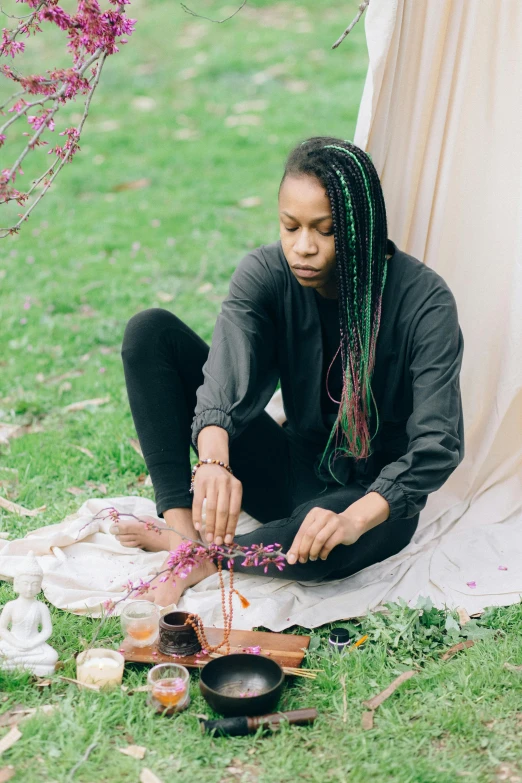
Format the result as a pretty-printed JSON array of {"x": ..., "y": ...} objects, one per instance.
[
  {"x": 132, "y": 533},
  {"x": 169, "y": 592}
]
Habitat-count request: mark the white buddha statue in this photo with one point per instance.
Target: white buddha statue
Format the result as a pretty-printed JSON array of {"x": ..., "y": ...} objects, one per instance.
[{"x": 25, "y": 624}]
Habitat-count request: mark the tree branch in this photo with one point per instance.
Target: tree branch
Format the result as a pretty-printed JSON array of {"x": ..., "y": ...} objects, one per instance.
[
  {"x": 216, "y": 21},
  {"x": 362, "y": 9},
  {"x": 66, "y": 157}
]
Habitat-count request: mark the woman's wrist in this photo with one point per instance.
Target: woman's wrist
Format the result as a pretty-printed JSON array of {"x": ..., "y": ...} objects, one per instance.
[{"x": 213, "y": 443}]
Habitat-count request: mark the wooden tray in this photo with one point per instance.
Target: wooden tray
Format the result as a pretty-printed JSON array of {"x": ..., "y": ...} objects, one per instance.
[{"x": 286, "y": 649}]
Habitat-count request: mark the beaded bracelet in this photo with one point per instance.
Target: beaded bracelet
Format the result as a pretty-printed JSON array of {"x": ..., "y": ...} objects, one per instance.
[{"x": 207, "y": 462}]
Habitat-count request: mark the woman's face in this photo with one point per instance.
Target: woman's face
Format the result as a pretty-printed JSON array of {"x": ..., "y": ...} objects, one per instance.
[{"x": 306, "y": 229}]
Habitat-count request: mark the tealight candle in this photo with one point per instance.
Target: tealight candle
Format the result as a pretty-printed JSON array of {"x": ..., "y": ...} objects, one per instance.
[
  {"x": 100, "y": 667},
  {"x": 169, "y": 684},
  {"x": 140, "y": 623}
]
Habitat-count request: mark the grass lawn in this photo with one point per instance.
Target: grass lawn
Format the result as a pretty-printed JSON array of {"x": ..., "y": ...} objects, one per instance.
[{"x": 205, "y": 114}]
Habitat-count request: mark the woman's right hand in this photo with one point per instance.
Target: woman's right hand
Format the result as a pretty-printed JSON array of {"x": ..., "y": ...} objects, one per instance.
[{"x": 223, "y": 493}]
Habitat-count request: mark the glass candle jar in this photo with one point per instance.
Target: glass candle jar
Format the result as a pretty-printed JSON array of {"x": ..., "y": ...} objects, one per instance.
[
  {"x": 169, "y": 688},
  {"x": 100, "y": 667},
  {"x": 140, "y": 623}
]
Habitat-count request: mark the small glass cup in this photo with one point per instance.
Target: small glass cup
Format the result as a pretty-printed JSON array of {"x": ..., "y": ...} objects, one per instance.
[
  {"x": 169, "y": 684},
  {"x": 140, "y": 623}
]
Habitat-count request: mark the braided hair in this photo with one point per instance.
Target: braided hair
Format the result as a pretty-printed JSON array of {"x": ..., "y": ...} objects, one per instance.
[{"x": 360, "y": 234}]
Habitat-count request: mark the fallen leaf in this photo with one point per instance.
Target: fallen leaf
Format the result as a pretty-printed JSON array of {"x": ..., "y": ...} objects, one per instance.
[
  {"x": 65, "y": 387},
  {"x": 10, "y": 431},
  {"x": 164, "y": 297},
  {"x": 86, "y": 311},
  {"x": 457, "y": 648},
  {"x": 8, "y": 505},
  {"x": 80, "y": 406},
  {"x": 237, "y": 120},
  {"x": 146, "y": 776},
  {"x": 64, "y": 376},
  {"x": 512, "y": 668},
  {"x": 367, "y": 720},
  {"x": 249, "y": 202},
  {"x": 134, "y": 751},
  {"x": 136, "y": 184},
  {"x": 75, "y": 491},
  {"x": 10, "y": 738},
  {"x": 136, "y": 446},
  {"x": 185, "y": 134},
  {"x": 101, "y": 488},
  {"x": 144, "y": 103},
  {"x": 15, "y": 715},
  {"x": 5, "y": 536},
  {"x": 43, "y": 683},
  {"x": 83, "y": 450},
  {"x": 6, "y": 773},
  {"x": 463, "y": 616},
  {"x": 205, "y": 288},
  {"x": 377, "y": 700},
  {"x": 507, "y": 772},
  {"x": 249, "y": 106},
  {"x": 296, "y": 85},
  {"x": 148, "y": 482},
  {"x": 139, "y": 482}
]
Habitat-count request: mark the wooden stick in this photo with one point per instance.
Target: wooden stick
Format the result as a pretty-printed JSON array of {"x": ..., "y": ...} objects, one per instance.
[
  {"x": 376, "y": 701},
  {"x": 362, "y": 9}
]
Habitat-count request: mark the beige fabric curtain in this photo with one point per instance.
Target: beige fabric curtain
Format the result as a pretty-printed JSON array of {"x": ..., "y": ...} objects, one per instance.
[{"x": 441, "y": 116}]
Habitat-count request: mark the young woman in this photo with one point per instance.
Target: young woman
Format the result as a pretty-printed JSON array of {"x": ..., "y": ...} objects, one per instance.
[{"x": 366, "y": 344}]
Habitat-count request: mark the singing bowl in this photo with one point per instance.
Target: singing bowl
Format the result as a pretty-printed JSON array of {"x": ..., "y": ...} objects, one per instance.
[{"x": 224, "y": 679}]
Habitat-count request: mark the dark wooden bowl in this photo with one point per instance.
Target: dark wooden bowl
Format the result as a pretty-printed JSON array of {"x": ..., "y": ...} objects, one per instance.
[
  {"x": 258, "y": 678},
  {"x": 176, "y": 638}
]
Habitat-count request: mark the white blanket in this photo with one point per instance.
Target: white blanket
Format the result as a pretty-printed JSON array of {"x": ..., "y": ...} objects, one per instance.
[{"x": 84, "y": 565}]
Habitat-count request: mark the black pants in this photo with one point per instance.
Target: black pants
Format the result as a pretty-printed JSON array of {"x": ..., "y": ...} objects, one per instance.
[{"x": 163, "y": 360}]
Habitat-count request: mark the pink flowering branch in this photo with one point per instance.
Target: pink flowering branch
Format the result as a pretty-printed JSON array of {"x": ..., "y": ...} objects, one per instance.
[
  {"x": 92, "y": 34},
  {"x": 187, "y": 556}
]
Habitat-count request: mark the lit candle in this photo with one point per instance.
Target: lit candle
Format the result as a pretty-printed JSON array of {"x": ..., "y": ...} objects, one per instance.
[{"x": 100, "y": 667}]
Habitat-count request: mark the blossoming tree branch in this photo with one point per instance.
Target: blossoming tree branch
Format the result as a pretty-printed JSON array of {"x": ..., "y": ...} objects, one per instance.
[{"x": 92, "y": 35}]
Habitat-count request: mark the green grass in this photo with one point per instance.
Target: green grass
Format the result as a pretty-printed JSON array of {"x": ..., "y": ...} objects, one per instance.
[{"x": 90, "y": 257}]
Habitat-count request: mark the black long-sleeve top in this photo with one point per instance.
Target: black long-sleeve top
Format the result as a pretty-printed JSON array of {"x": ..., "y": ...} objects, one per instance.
[{"x": 269, "y": 329}]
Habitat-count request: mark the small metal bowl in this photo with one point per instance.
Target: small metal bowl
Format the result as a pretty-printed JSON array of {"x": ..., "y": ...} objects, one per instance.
[{"x": 242, "y": 684}]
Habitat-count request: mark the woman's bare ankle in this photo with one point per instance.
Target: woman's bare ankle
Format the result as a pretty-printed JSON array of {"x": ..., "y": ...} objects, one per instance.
[{"x": 181, "y": 520}]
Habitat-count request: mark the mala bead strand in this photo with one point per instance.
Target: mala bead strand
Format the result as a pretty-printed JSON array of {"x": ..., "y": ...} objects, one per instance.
[{"x": 196, "y": 622}]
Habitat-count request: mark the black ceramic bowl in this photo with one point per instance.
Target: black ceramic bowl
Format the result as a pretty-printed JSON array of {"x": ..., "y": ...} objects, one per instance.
[{"x": 242, "y": 684}]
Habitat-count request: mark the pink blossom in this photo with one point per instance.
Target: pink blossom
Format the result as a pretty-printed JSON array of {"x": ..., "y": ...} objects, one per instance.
[
  {"x": 2, "y": 139},
  {"x": 471, "y": 584},
  {"x": 109, "y": 605},
  {"x": 9, "y": 47},
  {"x": 56, "y": 15},
  {"x": 502, "y": 568}
]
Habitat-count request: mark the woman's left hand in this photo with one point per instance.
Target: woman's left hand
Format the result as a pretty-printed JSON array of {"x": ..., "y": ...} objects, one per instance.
[{"x": 321, "y": 531}]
